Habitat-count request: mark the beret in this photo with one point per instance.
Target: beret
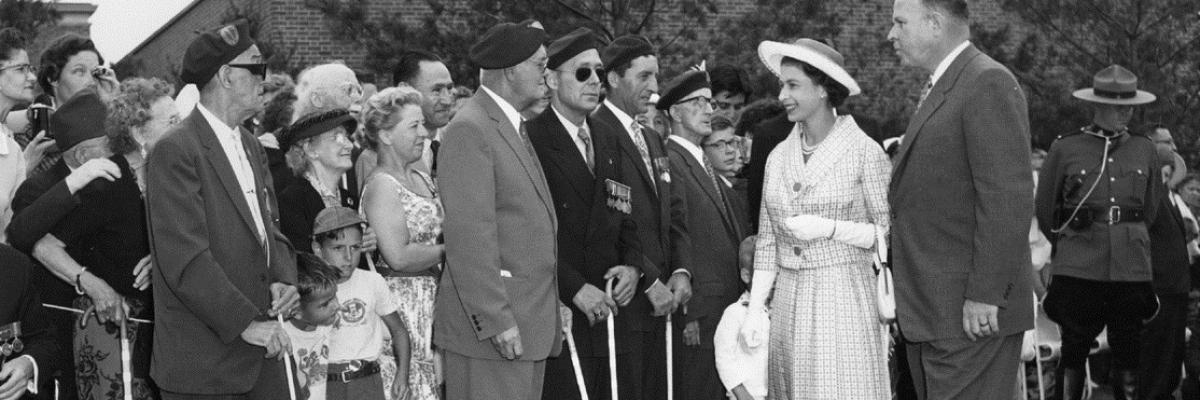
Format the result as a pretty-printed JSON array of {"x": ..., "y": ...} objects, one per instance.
[
  {"x": 334, "y": 218},
  {"x": 212, "y": 49},
  {"x": 315, "y": 124},
  {"x": 80, "y": 118},
  {"x": 507, "y": 44},
  {"x": 570, "y": 45},
  {"x": 682, "y": 85},
  {"x": 625, "y": 49}
]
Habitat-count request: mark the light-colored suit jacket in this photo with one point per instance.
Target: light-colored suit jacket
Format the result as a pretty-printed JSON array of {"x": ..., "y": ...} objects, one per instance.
[
  {"x": 962, "y": 198},
  {"x": 500, "y": 232},
  {"x": 212, "y": 274}
]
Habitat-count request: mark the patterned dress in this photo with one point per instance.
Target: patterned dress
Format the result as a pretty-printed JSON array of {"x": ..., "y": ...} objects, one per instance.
[
  {"x": 826, "y": 341},
  {"x": 414, "y": 293}
]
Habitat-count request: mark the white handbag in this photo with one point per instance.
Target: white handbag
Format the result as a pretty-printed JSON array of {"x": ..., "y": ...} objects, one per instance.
[{"x": 885, "y": 289}]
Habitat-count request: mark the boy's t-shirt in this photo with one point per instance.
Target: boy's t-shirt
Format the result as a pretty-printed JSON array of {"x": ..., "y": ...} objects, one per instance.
[
  {"x": 310, "y": 350},
  {"x": 359, "y": 334}
]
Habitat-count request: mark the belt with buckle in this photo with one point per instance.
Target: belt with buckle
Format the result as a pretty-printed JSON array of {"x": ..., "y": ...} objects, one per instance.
[
  {"x": 1116, "y": 214},
  {"x": 348, "y": 371}
]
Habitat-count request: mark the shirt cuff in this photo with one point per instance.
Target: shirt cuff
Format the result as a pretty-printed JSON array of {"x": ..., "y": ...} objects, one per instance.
[
  {"x": 32, "y": 386},
  {"x": 682, "y": 271},
  {"x": 653, "y": 285}
]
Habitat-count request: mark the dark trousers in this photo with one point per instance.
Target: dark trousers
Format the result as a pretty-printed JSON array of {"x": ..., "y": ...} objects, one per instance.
[
  {"x": 654, "y": 361},
  {"x": 1163, "y": 347},
  {"x": 365, "y": 388},
  {"x": 902, "y": 380},
  {"x": 696, "y": 375},
  {"x": 985, "y": 369},
  {"x": 271, "y": 385},
  {"x": 1082, "y": 308},
  {"x": 561, "y": 384},
  {"x": 1191, "y": 384}
]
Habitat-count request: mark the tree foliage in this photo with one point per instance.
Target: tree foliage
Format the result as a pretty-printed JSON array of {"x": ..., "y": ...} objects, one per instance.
[{"x": 27, "y": 16}]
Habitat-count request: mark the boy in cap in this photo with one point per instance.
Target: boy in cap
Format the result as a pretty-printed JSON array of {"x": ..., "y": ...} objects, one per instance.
[
  {"x": 356, "y": 344},
  {"x": 1098, "y": 193},
  {"x": 309, "y": 330}
]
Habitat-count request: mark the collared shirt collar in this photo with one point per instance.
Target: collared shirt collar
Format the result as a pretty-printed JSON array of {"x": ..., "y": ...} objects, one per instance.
[
  {"x": 690, "y": 147},
  {"x": 626, "y": 120},
  {"x": 945, "y": 64},
  {"x": 572, "y": 129},
  {"x": 218, "y": 126},
  {"x": 511, "y": 112}
]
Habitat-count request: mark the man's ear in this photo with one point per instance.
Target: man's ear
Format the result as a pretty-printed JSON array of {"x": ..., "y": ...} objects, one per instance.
[
  {"x": 316, "y": 247},
  {"x": 552, "y": 81}
]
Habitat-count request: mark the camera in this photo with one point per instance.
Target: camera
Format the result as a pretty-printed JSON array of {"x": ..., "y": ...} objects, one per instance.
[
  {"x": 39, "y": 118},
  {"x": 100, "y": 71}
]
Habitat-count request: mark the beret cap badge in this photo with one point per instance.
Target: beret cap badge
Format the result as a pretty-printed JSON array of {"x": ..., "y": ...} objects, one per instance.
[{"x": 229, "y": 34}]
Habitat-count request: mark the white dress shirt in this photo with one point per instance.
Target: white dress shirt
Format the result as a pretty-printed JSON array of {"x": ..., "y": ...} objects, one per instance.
[
  {"x": 691, "y": 148},
  {"x": 945, "y": 64},
  {"x": 511, "y": 112},
  {"x": 231, "y": 142},
  {"x": 626, "y": 120},
  {"x": 12, "y": 174}
]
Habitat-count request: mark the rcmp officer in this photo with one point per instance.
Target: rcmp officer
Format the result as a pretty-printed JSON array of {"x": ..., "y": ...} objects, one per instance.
[{"x": 1099, "y": 192}]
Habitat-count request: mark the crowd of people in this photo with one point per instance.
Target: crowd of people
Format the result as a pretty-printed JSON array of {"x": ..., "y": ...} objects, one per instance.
[{"x": 571, "y": 229}]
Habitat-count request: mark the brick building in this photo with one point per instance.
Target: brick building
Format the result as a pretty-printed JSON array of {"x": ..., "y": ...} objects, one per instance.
[{"x": 73, "y": 18}]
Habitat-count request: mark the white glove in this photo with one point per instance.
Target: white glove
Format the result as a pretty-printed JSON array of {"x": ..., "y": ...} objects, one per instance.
[
  {"x": 751, "y": 332},
  {"x": 809, "y": 227}
]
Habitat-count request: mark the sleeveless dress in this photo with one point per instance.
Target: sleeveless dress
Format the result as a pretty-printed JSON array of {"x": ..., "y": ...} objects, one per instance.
[{"x": 414, "y": 293}]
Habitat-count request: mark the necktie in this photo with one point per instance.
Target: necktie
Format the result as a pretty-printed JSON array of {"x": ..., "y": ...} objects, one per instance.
[
  {"x": 588, "y": 155},
  {"x": 925, "y": 92},
  {"x": 251, "y": 194},
  {"x": 640, "y": 142},
  {"x": 712, "y": 175},
  {"x": 433, "y": 149}
]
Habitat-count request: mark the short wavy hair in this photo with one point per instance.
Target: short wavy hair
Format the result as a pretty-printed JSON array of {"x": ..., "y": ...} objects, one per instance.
[
  {"x": 130, "y": 108},
  {"x": 55, "y": 57},
  {"x": 382, "y": 111}
]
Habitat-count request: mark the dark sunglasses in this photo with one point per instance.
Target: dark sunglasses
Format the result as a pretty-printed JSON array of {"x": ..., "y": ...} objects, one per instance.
[
  {"x": 583, "y": 73},
  {"x": 259, "y": 70}
]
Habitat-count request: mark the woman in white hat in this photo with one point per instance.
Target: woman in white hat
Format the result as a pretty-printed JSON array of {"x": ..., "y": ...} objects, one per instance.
[{"x": 824, "y": 199}]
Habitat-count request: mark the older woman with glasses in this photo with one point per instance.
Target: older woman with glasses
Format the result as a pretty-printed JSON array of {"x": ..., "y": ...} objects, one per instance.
[
  {"x": 104, "y": 250},
  {"x": 318, "y": 151}
]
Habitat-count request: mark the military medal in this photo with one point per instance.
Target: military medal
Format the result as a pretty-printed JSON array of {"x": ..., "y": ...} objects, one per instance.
[{"x": 663, "y": 165}]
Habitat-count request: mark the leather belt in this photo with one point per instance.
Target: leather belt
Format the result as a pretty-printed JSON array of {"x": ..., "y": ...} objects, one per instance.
[
  {"x": 357, "y": 369},
  {"x": 1109, "y": 215}
]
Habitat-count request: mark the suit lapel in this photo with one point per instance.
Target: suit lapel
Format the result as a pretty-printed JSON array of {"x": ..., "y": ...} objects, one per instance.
[
  {"x": 932, "y": 103},
  {"x": 603, "y": 114},
  {"x": 704, "y": 180},
  {"x": 221, "y": 164},
  {"x": 566, "y": 157},
  {"x": 517, "y": 144}
]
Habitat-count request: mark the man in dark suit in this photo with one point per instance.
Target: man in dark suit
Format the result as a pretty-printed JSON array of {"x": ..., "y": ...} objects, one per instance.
[
  {"x": 961, "y": 197},
  {"x": 631, "y": 76},
  {"x": 597, "y": 236},
  {"x": 223, "y": 269},
  {"x": 713, "y": 236},
  {"x": 497, "y": 306},
  {"x": 25, "y": 330}
]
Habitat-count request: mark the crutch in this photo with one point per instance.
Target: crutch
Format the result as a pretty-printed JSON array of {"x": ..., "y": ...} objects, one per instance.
[
  {"x": 566, "y": 316},
  {"x": 287, "y": 363},
  {"x": 611, "y": 321}
]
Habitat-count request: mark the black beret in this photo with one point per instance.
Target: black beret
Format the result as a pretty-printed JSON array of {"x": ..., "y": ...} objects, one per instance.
[
  {"x": 79, "y": 119},
  {"x": 315, "y": 124},
  {"x": 625, "y": 49},
  {"x": 570, "y": 45},
  {"x": 507, "y": 44},
  {"x": 682, "y": 85},
  {"x": 212, "y": 49}
]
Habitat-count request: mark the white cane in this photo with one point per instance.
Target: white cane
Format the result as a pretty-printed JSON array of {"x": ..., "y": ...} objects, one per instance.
[
  {"x": 371, "y": 263},
  {"x": 287, "y": 363},
  {"x": 1037, "y": 348},
  {"x": 126, "y": 359},
  {"x": 612, "y": 344},
  {"x": 574, "y": 352},
  {"x": 670, "y": 361}
]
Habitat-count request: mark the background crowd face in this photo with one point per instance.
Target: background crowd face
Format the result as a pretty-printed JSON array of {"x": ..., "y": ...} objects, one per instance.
[
  {"x": 631, "y": 91},
  {"x": 528, "y": 79},
  {"x": 722, "y": 149},
  {"x": 321, "y": 308},
  {"x": 341, "y": 252},
  {"x": 407, "y": 137},
  {"x": 914, "y": 35},
  {"x": 332, "y": 150},
  {"x": 581, "y": 97},
  {"x": 801, "y": 97},
  {"x": 693, "y": 113},
  {"x": 76, "y": 75},
  {"x": 16, "y": 84},
  {"x": 728, "y": 104},
  {"x": 1112, "y": 116},
  {"x": 437, "y": 93}
]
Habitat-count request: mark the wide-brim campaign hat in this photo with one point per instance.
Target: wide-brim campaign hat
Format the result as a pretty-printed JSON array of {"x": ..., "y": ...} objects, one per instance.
[
  {"x": 811, "y": 52},
  {"x": 1115, "y": 85}
]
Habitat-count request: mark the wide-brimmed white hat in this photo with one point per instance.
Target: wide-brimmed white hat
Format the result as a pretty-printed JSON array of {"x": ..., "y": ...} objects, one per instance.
[{"x": 811, "y": 52}]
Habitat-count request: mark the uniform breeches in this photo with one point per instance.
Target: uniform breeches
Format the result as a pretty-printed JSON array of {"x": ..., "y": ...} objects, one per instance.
[{"x": 1083, "y": 308}]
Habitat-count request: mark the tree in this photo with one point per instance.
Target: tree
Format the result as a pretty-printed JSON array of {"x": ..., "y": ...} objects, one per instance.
[
  {"x": 1067, "y": 41},
  {"x": 27, "y": 16}
]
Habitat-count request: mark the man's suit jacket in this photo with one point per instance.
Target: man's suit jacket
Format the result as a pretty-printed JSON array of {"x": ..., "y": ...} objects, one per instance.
[
  {"x": 1168, "y": 249},
  {"x": 713, "y": 238},
  {"x": 213, "y": 274},
  {"x": 41, "y": 201},
  {"x": 19, "y": 302},
  {"x": 962, "y": 198},
  {"x": 593, "y": 235},
  {"x": 767, "y": 134},
  {"x": 657, "y": 224},
  {"x": 500, "y": 239}
]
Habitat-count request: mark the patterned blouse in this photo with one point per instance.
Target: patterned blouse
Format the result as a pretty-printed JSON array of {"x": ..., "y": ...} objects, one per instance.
[{"x": 424, "y": 216}]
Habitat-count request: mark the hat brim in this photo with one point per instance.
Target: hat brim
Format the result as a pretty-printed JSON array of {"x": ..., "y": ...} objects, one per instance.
[
  {"x": 1142, "y": 97},
  {"x": 772, "y": 54}
]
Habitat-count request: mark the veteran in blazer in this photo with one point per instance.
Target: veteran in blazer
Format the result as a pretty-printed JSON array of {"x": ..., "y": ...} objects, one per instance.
[
  {"x": 496, "y": 313},
  {"x": 224, "y": 271},
  {"x": 26, "y": 345},
  {"x": 712, "y": 239},
  {"x": 961, "y": 198}
]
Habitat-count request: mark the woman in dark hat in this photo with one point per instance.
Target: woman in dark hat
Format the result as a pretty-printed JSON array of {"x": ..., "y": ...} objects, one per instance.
[
  {"x": 1098, "y": 190},
  {"x": 318, "y": 151},
  {"x": 105, "y": 250},
  {"x": 824, "y": 201}
]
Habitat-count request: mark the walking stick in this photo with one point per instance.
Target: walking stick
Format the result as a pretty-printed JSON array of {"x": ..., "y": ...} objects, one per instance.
[
  {"x": 287, "y": 363},
  {"x": 1037, "y": 347},
  {"x": 611, "y": 321},
  {"x": 574, "y": 354},
  {"x": 78, "y": 311},
  {"x": 126, "y": 360},
  {"x": 670, "y": 361}
]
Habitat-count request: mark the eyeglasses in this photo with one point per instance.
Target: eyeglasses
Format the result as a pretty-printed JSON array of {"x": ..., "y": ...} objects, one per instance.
[
  {"x": 731, "y": 143},
  {"x": 259, "y": 70},
  {"x": 726, "y": 106},
  {"x": 702, "y": 100},
  {"x": 22, "y": 68},
  {"x": 584, "y": 73},
  {"x": 339, "y": 137}
]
